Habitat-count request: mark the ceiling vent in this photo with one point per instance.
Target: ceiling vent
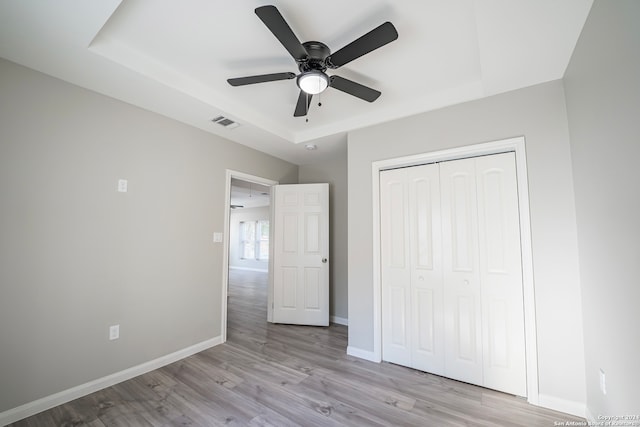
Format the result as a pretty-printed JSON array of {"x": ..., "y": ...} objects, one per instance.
[{"x": 225, "y": 122}]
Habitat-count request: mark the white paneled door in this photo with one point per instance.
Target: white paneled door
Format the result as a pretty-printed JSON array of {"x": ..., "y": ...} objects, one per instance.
[
  {"x": 412, "y": 268},
  {"x": 452, "y": 299},
  {"x": 300, "y": 278},
  {"x": 463, "y": 321},
  {"x": 396, "y": 274},
  {"x": 501, "y": 274}
]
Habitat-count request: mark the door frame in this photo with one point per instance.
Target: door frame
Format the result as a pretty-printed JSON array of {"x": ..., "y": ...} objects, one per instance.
[
  {"x": 233, "y": 174},
  {"x": 516, "y": 145}
]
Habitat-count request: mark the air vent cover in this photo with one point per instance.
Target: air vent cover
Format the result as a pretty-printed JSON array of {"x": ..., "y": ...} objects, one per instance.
[{"x": 225, "y": 122}]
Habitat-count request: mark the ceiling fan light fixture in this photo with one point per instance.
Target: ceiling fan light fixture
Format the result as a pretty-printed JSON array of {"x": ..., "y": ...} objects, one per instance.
[
  {"x": 313, "y": 82},
  {"x": 313, "y": 58}
]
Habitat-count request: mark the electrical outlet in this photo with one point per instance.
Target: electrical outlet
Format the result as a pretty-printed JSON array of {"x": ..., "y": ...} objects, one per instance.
[
  {"x": 122, "y": 185},
  {"x": 603, "y": 382},
  {"x": 114, "y": 332},
  {"x": 217, "y": 237}
]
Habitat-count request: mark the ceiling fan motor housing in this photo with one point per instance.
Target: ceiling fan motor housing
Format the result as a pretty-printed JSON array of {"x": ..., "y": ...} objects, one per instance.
[{"x": 318, "y": 53}]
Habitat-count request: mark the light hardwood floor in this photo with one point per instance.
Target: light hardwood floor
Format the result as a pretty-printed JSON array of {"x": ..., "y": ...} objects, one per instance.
[{"x": 282, "y": 375}]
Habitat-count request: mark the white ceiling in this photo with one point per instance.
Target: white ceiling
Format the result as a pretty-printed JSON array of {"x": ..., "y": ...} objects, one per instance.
[
  {"x": 249, "y": 195},
  {"x": 173, "y": 58}
]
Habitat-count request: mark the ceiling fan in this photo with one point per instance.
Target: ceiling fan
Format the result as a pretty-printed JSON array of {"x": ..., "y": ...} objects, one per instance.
[{"x": 314, "y": 58}]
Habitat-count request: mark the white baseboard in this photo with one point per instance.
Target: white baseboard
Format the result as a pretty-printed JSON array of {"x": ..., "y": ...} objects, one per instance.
[
  {"x": 339, "y": 320},
  {"x": 562, "y": 405},
  {"x": 362, "y": 354},
  {"x": 260, "y": 270},
  {"x": 589, "y": 416},
  {"x": 48, "y": 402}
]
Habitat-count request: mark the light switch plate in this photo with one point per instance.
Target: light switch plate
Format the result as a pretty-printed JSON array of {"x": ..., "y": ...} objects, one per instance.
[{"x": 114, "y": 332}]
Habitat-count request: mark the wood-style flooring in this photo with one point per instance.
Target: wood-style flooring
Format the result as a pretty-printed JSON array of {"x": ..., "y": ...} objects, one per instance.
[{"x": 283, "y": 375}]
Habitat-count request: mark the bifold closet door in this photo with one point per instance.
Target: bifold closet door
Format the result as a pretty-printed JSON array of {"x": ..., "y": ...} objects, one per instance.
[
  {"x": 412, "y": 318},
  {"x": 452, "y": 301},
  {"x": 425, "y": 241},
  {"x": 504, "y": 363},
  {"x": 395, "y": 269},
  {"x": 462, "y": 300},
  {"x": 483, "y": 298}
]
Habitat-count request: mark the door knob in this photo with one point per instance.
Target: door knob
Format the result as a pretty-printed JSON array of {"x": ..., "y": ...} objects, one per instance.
[{"x": 324, "y": 260}]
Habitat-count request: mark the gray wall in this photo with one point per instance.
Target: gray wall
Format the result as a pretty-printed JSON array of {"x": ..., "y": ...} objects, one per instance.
[
  {"x": 538, "y": 113},
  {"x": 334, "y": 171},
  {"x": 602, "y": 86},
  {"x": 76, "y": 256}
]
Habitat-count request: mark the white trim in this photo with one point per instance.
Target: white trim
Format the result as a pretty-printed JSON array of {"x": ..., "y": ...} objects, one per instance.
[
  {"x": 225, "y": 251},
  {"x": 589, "y": 416},
  {"x": 260, "y": 270},
  {"x": 562, "y": 405},
  {"x": 48, "y": 402},
  {"x": 516, "y": 145},
  {"x": 376, "y": 167},
  {"x": 339, "y": 320},
  {"x": 362, "y": 354}
]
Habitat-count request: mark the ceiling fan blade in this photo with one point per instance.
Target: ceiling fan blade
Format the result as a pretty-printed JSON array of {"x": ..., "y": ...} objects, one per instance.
[
  {"x": 302, "y": 107},
  {"x": 378, "y": 37},
  {"x": 353, "y": 88},
  {"x": 279, "y": 27},
  {"x": 263, "y": 78}
]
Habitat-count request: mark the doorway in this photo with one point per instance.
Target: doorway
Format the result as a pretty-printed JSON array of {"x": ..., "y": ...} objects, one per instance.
[{"x": 247, "y": 234}]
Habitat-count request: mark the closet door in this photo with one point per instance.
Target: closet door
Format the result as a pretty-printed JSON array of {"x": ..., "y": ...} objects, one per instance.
[
  {"x": 395, "y": 271},
  {"x": 501, "y": 274},
  {"x": 462, "y": 295},
  {"x": 412, "y": 319},
  {"x": 425, "y": 241},
  {"x": 452, "y": 299}
]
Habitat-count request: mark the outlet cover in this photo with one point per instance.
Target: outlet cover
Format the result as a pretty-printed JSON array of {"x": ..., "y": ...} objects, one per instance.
[
  {"x": 114, "y": 332},
  {"x": 122, "y": 185},
  {"x": 217, "y": 237}
]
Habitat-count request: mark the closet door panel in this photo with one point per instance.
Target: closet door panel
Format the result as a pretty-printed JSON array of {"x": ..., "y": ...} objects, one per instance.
[
  {"x": 426, "y": 268},
  {"x": 395, "y": 269},
  {"x": 462, "y": 296},
  {"x": 501, "y": 274},
  {"x": 452, "y": 301}
]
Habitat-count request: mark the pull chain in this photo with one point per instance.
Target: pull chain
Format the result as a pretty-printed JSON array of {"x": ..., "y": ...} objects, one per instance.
[
  {"x": 309, "y": 102},
  {"x": 307, "y": 107}
]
